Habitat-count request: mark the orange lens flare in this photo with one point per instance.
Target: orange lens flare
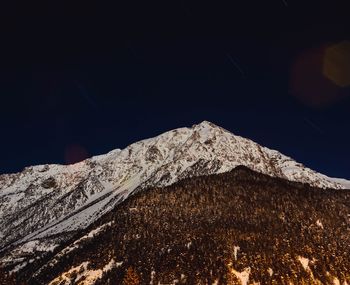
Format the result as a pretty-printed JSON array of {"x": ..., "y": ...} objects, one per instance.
[
  {"x": 318, "y": 75},
  {"x": 336, "y": 63}
]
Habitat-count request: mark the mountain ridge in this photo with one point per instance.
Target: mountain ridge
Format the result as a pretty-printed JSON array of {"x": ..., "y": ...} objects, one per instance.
[{"x": 49, "y": 201}]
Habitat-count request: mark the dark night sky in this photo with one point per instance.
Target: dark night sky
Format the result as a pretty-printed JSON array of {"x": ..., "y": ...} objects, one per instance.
[{"x": 81, "y": 80}]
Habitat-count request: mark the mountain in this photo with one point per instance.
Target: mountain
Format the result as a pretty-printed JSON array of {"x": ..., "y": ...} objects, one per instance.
[
  {"x": 238, "y": 227},
  {"x": 50, "y": 212}
]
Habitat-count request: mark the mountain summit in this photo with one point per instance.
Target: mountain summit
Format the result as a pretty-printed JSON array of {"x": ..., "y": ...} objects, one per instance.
[
  {"x": 50, "y": 199},
  {"x": 44, "y": 206}
]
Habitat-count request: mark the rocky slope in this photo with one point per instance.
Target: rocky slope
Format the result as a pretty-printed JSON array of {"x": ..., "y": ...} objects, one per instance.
[{"x": 44, "y": 206}]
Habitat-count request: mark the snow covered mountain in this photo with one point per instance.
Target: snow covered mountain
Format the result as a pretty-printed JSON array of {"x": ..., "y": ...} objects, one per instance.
[{"x": 45, "y": 205}]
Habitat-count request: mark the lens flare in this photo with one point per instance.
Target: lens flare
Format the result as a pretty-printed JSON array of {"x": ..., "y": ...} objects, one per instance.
[
  {"x": 308, "y": 80},
  {"x": 336, "y": 63}
]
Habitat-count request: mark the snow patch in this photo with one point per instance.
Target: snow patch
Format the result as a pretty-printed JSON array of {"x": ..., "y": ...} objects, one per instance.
[
  {"x": 153, "y": 273},
  {"x": 319, "y": 224},
  {"x": 18, "y": 267},
  {"x": 82, "y": 275},
  {"x": 270, "y": 271},
  {"x": 304, "y": 262},
  {"x": 36, "y": 245},
  {"x": 75, "y": 245},
  {"x": 235, "y": 251},
  {"x": 243, "y": 276}
]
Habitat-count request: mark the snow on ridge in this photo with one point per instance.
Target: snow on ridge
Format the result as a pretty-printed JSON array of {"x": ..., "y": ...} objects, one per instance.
[
  {"x": 345, "y": 183},
  {"x": 169, "y": 140}
]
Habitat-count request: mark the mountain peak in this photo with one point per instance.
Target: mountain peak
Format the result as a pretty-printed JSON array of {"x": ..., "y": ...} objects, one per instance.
[
  {"x": 53, "y": 199},
  {"x": 74, "y": 196},
  {"x": 206, "y": 124}
]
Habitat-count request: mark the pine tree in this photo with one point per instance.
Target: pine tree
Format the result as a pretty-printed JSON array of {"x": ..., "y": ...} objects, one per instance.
[
  {"x": 6, "y": 278},
  {"x": 131, "y": 277}
]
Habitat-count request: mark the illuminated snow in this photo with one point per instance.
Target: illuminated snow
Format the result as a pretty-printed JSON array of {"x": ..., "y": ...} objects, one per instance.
[
  {"x": 83, "y": 275},
  {"x": 243, "y": 276},
  {"x": 319, "y": 224},
  {"x": 304, "y": 262},
  {"x": 235, "y": 251},
  {"x": 270, "y": 271}
]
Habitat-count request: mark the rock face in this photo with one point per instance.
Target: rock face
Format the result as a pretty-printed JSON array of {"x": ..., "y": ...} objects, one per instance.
[
  {"x": 239, "y": 227},
  {"x": 44, "y": 207}
]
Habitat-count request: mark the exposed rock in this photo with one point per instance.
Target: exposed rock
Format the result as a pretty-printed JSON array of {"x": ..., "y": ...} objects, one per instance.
[{"x": 49, "y": 183}]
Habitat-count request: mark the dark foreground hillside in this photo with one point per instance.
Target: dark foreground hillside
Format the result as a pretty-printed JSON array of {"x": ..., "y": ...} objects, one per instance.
[{"x": 233, "y": 228}]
